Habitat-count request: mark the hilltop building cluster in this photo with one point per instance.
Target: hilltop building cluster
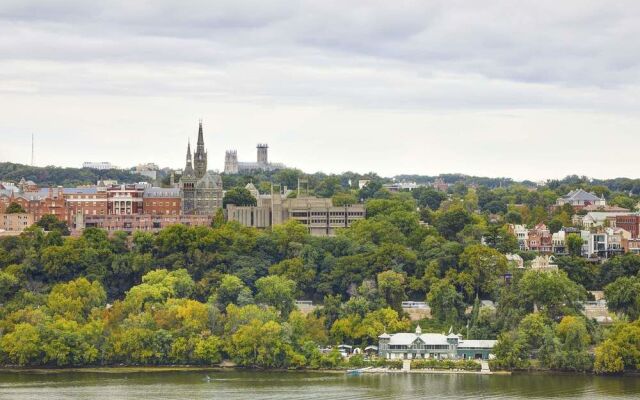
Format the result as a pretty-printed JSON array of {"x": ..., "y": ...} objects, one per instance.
[
  {"x": 126, "y": 207},
  {"x": 318, "y": 214},
  {"x": 233, "y": 166},
  {"x": 397, "y": 186},
  {"x": 597, "y": 243},
  {"x": 121, "y": 207},
  {"x": 192, "y": 200},
  {"x": 605, "y": 230}
]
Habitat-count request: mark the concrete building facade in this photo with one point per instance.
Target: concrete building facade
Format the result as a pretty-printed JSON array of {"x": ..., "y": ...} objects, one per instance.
[
  {"x": 319, "y": 215},
  {"x": 142, "y": 222},
  {"x": 16, "y": 222}
]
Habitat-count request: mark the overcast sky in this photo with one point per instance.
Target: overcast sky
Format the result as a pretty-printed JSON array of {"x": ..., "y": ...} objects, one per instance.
[{"x": 492, "y": 88}]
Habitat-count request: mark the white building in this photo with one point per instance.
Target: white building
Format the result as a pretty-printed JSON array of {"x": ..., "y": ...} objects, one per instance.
[
  {"x": 605, "y": 243},
  {"x": 544, "y": 263},
  {"x": 399, "y": 186},
  {"x": 150, "y": 170},
  {"x": 522, "y": 234},
  {"x": 102, "y": 165},
  {"x": 418, "y": 345},
  {"x": 515, "y": 259},
  {"x": 595, "y": 219},
  {"x": 558, "y": 241}
]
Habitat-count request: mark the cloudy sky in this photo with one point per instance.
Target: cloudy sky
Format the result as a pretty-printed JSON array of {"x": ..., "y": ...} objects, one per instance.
[{"x": 494, "y": 88}]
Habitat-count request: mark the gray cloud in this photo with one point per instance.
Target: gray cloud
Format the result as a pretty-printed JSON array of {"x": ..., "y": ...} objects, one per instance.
[
  {"x": 574, "y": 43},
  {"x": 388, "y": 57}
]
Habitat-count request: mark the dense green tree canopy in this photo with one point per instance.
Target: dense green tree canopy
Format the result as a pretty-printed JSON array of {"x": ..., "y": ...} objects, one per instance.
[
  {"x": 14, "y": 208},
  {"x": 199, "y": 295},
  {"x": 623, "y": 295},
  {"x": 239, "y": 197}
]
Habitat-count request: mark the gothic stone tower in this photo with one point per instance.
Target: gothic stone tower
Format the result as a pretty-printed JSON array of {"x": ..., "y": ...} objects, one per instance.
[
  {"x": 200, "y": 156},
  {"x": 231, "y": 162},
  {"x": 188, "y": 185},
  {"x": 263, "y": 158}
]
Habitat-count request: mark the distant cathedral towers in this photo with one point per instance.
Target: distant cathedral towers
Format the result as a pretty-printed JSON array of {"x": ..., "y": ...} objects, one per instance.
[
  {"x": 231, "y": 162},
  {"x": 200, "y": 190},
  {"x": 233, "y": 166},
  {"x": 263, "y": 158}
]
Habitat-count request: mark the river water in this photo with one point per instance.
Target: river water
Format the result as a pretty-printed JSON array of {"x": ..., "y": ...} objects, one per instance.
[{"x": 308, "y": 385}]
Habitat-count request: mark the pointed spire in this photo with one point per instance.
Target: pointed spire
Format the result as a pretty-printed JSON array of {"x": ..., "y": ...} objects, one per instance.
[
  {"x": 200, "y": 136},
  {"x": 200, "y": 155},
  {"x": 188, "y": 169}
]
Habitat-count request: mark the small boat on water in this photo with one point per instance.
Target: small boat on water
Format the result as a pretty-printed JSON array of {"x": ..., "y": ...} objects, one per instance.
[{"x": 355, "y": 372}]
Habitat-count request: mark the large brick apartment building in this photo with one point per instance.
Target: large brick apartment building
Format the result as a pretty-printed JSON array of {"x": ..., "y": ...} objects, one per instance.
[{"x": 98, "y": 205}]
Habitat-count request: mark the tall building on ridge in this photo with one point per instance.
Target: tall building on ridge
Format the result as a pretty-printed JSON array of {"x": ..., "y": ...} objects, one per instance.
[
  {"x": 263, "y": 149},
  {"x": 201, "y": 190},
  {"x": 200, "y": 156},
  {"x": 188, "y": 185},
  {"x": 231, "y": 162},
  {"x": 233, "y": 166}
]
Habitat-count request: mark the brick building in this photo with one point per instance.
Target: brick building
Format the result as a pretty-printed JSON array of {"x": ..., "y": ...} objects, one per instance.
[
  {"x": 162, "y": 201},
  {"x": 126, "y": 199},
  {"x": 631, "y": 245},
  {"x": 540, "y": 239},
  {"x": 86, "y": 200},
  {"x": 630, "y": 223},
  {"x": 140, "y": 222},
  {"x": 43, "y": 202}
]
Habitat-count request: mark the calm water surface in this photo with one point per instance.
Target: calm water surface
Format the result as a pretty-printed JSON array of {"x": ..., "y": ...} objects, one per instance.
[{"x": 294, "y": 385}]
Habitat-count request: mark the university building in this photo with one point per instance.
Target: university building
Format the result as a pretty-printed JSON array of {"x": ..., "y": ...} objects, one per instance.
[
  {"x": 319, "y": 215},
  {"x": 125, "y": 207},
  {"x": 200, "y": 190}
]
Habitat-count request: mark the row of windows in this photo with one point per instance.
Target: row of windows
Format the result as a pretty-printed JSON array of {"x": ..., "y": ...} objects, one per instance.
[
  {"x": 324, "y": 213},
  {"x": 322, "y": 221},
  {"x": 82, "y": 197},
  {"x": 86, "y": 212},
  {"x": 164, "y": 203},
  {"x": 420, "y": 347}
]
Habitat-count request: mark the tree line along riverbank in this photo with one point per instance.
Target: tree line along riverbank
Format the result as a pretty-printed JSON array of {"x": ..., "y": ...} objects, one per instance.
[{"x": 201, "y": 295}]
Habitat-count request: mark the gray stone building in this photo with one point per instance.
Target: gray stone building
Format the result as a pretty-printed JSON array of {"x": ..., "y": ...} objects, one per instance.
[
  {"x": 233, "y": 166},
  {"x": 200, "y": 190},
  {"x": 320, "y": 215}
]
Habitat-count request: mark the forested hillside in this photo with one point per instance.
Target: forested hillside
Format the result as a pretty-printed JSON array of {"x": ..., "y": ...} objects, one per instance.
[
  {"x": 57, "y": 176},
  {"x": 200, "y": 295}
]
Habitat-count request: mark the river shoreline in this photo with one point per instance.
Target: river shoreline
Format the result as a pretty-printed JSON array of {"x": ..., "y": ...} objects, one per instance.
[
  {"x": 170, "y": 368},
  {"x": 178, "y": 383}
]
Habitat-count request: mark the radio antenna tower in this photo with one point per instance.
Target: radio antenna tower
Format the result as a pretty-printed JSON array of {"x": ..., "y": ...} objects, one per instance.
[{"x": 32, "y": 150}]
